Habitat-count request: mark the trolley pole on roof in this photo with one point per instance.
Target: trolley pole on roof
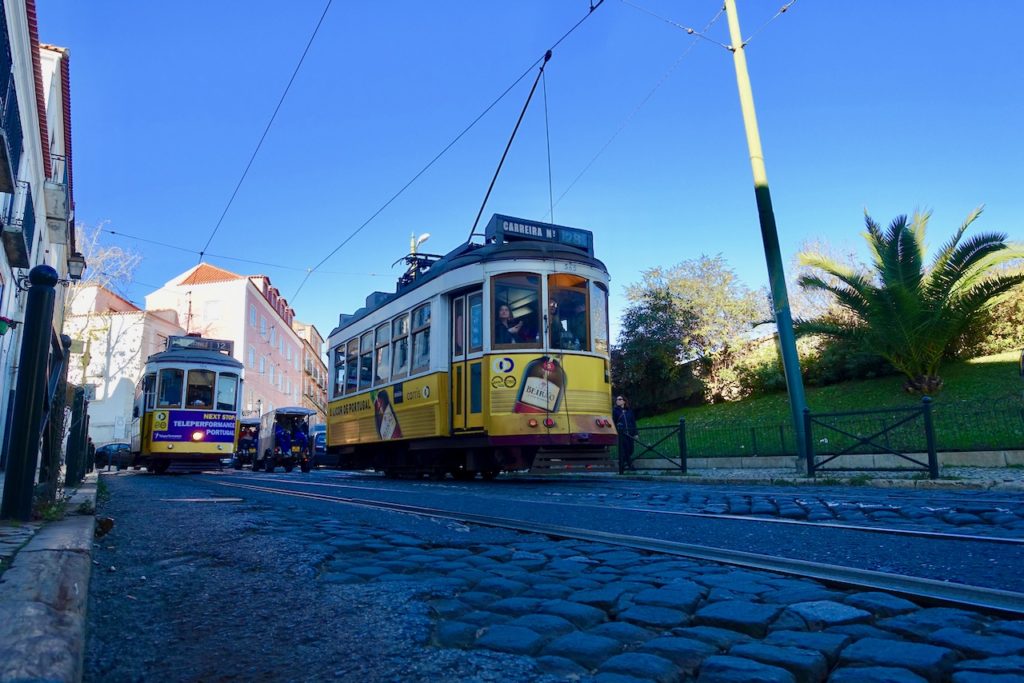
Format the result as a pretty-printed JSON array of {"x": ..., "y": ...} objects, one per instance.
[{"x": 769, "y": 235}]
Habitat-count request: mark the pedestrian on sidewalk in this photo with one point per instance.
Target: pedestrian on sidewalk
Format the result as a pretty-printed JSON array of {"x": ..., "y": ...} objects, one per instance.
[{"x": 625, "y": 423}]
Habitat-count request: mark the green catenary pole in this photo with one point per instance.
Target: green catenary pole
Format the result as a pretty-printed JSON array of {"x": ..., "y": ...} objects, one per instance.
[{"x": 769, "y": 234}]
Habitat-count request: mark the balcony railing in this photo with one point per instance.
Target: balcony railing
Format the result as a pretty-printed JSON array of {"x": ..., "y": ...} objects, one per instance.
[
  {"x": 58, "y": 201},
  {"x": 19, "y": 226}
]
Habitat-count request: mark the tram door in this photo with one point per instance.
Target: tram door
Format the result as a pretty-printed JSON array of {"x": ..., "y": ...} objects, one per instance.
[{"x": 467, "y": 395}]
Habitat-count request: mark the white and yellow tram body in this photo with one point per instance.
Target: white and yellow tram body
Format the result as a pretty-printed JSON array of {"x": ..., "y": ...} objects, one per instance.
[
  {"x": 425, "y": 381},
  {"x": 186, "y": 404}
]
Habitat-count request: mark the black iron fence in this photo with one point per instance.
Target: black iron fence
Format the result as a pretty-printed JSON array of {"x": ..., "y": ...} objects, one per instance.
[{"x": 962, "y": 426}]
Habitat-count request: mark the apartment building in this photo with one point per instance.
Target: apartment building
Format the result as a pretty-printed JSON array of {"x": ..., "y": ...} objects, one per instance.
[
  {"x": 251, "y": 312},
  {"x": 36, "y": 186},
  {"x": 314, "y": 369},
  {"x": 112, "y": 338}
]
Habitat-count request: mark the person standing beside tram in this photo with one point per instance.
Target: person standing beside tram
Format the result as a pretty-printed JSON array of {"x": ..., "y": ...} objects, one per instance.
[{"x": 625, "y": 424}]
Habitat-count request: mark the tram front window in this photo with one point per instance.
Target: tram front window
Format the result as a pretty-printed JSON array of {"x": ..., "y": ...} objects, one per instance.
[
  {"x": 227, "y": 391},
  {"x": 171, "y": 381},
  {"x": 516, "y": 311},
  {"x": 568, "y": 318},
  {"x": 200, "y": 389}
]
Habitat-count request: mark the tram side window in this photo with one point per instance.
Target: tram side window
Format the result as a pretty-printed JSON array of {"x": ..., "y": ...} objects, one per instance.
[
  {"x": 476, "y": 322},
  {"x": 599, "y": 317},
  {"x": 383, "y": 360},
  {"x": 352, "y": 366},
  {"x": 516, "y": 309},
  {"x": 400, "y": 346},
  {"x": 366, "y": 361},
  {"x": 149, "y": 390},
  {"x": 568, "y": 318},
  {"x": 171, "y": 381},
  {"x": 199, "y": 393},
  {"x": 339, "y": 370},
  {"x": 227, "y": 391},
  {"x": 421, "y": 338}
]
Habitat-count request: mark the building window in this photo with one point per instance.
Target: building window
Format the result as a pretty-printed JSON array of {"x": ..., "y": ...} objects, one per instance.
[
  {"x": 252, "y": 315},
  {"x": 271, "y": 374},
  {"x": 252, "y": 356},
  {"x": 263, "y": 326},
  {"x": 280, "y": 344},
  {"x": 273, "y": 339},
  {"x": 263, "y": 365}
]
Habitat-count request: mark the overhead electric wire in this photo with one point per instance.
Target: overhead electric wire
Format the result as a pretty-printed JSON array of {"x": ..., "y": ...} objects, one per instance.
[
  {"x": 508, "y": 145},
  {"x": 782, "y": 10},
  {"x": 458, "y": 137},
  {"x": 547, "y": 138},
  {"x": 235, "y": 258},
  {"x": 689, "y": 30},
  {"x": 636, "y": 110},
  {"x": 266, "y": 130}
]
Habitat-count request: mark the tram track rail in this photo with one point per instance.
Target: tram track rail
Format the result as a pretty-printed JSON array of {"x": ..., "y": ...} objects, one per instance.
[
  {"x": 914, "y": 533},
  {"x": 923, "y": 590}
]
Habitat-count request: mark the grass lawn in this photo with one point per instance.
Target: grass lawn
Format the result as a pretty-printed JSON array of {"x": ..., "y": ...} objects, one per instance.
[{"x": 980, "y": 407}]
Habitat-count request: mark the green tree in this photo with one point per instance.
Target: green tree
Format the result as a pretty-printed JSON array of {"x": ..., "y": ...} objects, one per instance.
[
  {"x": 646, "y": 362},
  {"x": 904, "y": 310},
  {"x": 715, "y": 313}
]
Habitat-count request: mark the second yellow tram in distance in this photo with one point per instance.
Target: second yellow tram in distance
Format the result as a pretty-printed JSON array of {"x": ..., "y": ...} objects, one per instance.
[{"x": 486, "y": 359}]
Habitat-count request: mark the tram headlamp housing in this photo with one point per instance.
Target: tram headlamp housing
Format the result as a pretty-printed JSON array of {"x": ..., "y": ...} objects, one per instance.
[
  {"x": 532, "y": 422},
  {"x": 197, "y": 436}
]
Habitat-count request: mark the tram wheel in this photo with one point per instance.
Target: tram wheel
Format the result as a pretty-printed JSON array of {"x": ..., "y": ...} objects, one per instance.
[
  {"x": 289, "y": 468},
  {"x": 161, "y": 466},
  {"x": 237, "y": 465},
  {"x": 271, "y": 466},
  {"x": 305, "y": 467}
]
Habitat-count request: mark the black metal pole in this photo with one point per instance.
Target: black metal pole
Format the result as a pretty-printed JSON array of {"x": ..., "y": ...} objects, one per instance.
[
  {"x": 682, "y": 444},
  {"x": 75, "y": 454},
  {"x": 929, "y": 435},
  {"x": 28, "y": 406},
  {"x": 808, "y": 442}
]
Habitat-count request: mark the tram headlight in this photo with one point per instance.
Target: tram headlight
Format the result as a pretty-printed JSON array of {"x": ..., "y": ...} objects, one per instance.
[
  {"x": 197, "y": 436},
  {"x": 549, "y": 423},
  {"x": 532, "y": 422}
]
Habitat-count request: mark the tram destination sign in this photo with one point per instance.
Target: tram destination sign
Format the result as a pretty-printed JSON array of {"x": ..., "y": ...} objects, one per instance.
[
  {"x": 225, "y": 346},
  {"x": 509, "y": 229}
]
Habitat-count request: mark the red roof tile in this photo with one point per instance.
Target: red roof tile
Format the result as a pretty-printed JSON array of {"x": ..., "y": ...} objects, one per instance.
[{"x": 205, "y": 274}]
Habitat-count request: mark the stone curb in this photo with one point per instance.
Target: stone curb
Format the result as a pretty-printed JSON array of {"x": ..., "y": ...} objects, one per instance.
[{"x": 43, "y": 597}]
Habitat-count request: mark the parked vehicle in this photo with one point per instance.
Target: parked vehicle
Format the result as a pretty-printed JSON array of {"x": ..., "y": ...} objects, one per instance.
[
  {"x": 284, "y": 440},
  {"x": 321, "y": 458},
  {"x": 248, "y": 442},
  {"x": 115, "y": 454}
]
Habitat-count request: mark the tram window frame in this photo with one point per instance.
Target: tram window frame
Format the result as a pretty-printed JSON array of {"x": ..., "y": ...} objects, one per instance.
[
  {"x": 564, "y": 289},
  {"x": 352, "y": 366},
  {"x": 366, "y": 360},
  {"x": 526, "y": 282},
  {"x": 161, "y": 403},
  {"x": 599, "y": 330},
  {"x": 420, "y": 333},
  {"x": 339, "y": 370},
  {"x": 193, "y": 395},
  {"x": 400, "y": 339},
  {"x": 233, "y": 405},
  {"x": 459, "y": 326},
  {"x": 149, "y": 391},
  {"x": 475, "y": 311},
  {"x": 382, "y": 355}
]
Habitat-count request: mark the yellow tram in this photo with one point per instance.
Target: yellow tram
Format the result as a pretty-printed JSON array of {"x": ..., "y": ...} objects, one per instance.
[
  {"x": 186, "y": 404},
  {"x": 493, "y": 357}
]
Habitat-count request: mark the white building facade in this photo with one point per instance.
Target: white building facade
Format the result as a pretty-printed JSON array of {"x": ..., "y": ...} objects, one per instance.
[
  {"x": 36, "y": 190},
  {"x": 113, "y": 338}
]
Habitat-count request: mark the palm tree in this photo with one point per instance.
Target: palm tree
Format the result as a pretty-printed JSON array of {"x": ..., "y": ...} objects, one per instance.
[{"x": 906, "y": 311}]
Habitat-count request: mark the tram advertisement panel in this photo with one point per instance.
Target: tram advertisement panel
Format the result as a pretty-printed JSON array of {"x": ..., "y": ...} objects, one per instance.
[
  {"x": 405, "y": 410},
  {"x": 185, "y": 425}
]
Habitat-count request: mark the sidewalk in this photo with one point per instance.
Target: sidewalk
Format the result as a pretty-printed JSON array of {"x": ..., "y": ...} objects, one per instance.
[{"x": 44, "y": 589}]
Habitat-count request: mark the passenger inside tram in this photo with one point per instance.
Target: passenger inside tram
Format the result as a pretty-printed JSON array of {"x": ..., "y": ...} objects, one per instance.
[{"x": 506, "y": 328}]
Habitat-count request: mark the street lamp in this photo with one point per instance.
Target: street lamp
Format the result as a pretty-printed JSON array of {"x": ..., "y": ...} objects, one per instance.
[{"x": 76, "y": 266}]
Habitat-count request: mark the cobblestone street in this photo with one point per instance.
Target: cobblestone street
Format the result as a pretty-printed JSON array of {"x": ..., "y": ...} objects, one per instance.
[{"x": 337, "y": 591}]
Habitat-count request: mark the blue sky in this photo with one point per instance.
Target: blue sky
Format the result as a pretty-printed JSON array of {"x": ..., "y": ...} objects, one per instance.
[{"x": 870, "y": 105}]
